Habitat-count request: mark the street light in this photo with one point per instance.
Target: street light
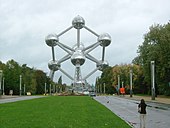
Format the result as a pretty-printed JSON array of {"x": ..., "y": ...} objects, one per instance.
[
  {"x": 50, "y": 89},
  {"x": 3, "y": 86},
  {"x": 20, "y": 90},
  {"x": 104, "y": 88},
  {"x": 45, "y": 88},
  {"x": 1, "y": 72},
  {"x": 118, "y": 84},
  {"x": 130, "y": 82},
  {"x": 100, "y": 89},
  {"x": 24, "y": 89},
  {"x": 153, "y": 79},
  {"x": 122, "y": 84}
]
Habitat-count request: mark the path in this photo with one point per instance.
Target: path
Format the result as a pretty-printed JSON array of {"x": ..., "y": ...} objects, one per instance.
[
  {"x": 17, "y": 98},
  {"x": 158, "y": 115}
]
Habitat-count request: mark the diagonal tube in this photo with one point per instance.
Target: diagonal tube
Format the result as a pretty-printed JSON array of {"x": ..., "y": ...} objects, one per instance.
[
  {"x": 51, "y": 75},
  {"x": 65, "y": 46},
  {"x": 91, "y": 73},
  {"x": 92, "y": 47},
  {"x": 91, "y": 31},
  {"x": 64, "y": 58},
  {"x": 65, "y": 73},
  {"x": 88, "y": 56},
  {"x": 65, "y": 31}
]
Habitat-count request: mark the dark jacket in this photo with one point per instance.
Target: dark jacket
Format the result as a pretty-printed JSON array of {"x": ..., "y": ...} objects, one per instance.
[{"x": 143, "y": 108}]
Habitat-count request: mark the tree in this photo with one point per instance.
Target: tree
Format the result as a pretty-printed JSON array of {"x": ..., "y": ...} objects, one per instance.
[
  {"x": 32, "y": 78},
  {"x": 123, "y": 70},
  {"x": 106, "y": 78},
  {"x": 40, "y": 77},
  {"x": 12, "y": 74},
  {"x": 156, "y": 48}
]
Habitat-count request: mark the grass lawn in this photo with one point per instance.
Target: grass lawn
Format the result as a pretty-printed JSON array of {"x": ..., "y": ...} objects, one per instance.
[{"x": 58, "y": 112}]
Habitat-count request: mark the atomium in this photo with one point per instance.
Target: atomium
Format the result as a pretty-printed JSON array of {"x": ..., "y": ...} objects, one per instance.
[{"x": 78, "y": 53}]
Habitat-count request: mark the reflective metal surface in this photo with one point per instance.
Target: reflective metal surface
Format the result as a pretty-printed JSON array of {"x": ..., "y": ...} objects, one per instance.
[
  {"x": 105, "y": 39},
  {"x": 78, "y": 53},
  {"x": 51, "y": 40},
  {"x": 78, "y": 22},
  {"x": 53, "y": 65}
]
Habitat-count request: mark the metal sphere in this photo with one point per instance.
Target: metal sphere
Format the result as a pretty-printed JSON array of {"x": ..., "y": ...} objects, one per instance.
[
  {"x": 102, "y": 64},
  {"x": 51, "y": 40},
  {"x": 105, "y": 39},
  {"x": 53, "y": 65},
  {"x": 78, "y": 22},
  {"x": 78, "y": 57}
]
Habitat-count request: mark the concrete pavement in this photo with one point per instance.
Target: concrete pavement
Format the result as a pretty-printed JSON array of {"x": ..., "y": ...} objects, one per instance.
[
  {"x": 158, "y": 114},
  {"x": 160, "y": 102},
  {"x": 7, "y": 99},
  {"x": 158, "y": 99}
]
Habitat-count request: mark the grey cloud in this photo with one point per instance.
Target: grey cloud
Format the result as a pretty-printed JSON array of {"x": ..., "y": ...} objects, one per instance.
[{"x": 25, "y": 24}]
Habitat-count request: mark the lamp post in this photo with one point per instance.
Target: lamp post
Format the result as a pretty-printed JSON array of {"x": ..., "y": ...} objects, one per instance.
[
  {"x": 153, "y": 79},
  {"x": 122, "y": 84},
  {"x": 3, "y": 86},
  {"x": 100, "y": 88},
  {"x": 104, "y": 88},
  {"x": 118, "y": 84},
  {"x": 20, "y": 90},
  {"x": 130, "y": 82},
  {"x": 1, "y": 72},
  {"x": 45, "y": 89},
  {"x": 50, "y": 89},
  {"x": 24, "y": 89}
]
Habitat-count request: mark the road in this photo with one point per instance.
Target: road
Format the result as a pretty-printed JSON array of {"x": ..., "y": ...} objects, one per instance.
[{"x": 158, "y": 115}]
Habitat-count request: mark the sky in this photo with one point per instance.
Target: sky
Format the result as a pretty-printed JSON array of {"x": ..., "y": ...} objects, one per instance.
[{"x": 24, "y": 26}]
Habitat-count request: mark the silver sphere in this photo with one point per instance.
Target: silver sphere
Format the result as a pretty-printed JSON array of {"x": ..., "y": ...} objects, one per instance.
[
  {"x": 102, "y": 64},
  {"x": 78, "y": 57},
  {"x": 105, "y": 39},
  {"x": 53, "y": 65},
  {"x": 51, "y": 40},
  {"x": 78, "y": 22}
]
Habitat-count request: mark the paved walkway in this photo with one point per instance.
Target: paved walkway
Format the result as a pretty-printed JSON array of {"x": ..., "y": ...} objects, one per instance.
[
  {"x": 7, "y": 99},
  {"x": 159, "y": 99},
  {"x": 158, "y": 114}
]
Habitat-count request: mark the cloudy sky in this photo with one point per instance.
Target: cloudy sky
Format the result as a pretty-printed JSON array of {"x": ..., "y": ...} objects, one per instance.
[{"x": 25, "y": 24}]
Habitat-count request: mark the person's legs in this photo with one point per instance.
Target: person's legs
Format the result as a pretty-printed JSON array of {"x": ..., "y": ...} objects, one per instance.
[
  {"x": 144, "y": 120},
  {"x": 140, "y": 120}
]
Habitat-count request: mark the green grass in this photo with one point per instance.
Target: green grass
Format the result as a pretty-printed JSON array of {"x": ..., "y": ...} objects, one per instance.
[{"x": 58, "y": 112}]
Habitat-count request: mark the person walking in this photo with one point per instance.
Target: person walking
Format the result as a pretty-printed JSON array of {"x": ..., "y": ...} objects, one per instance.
[{"x": 142, "y": 111}]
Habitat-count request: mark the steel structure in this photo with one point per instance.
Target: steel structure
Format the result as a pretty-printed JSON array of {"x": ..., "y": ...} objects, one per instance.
[{"x": 78, "y": 53}]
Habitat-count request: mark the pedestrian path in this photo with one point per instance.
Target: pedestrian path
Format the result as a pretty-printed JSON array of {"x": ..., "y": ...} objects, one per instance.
[
  {"x": 7, "y": 99},
  {"x": 158, "y": 99},
  {"x": 126, "y": 109}
]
